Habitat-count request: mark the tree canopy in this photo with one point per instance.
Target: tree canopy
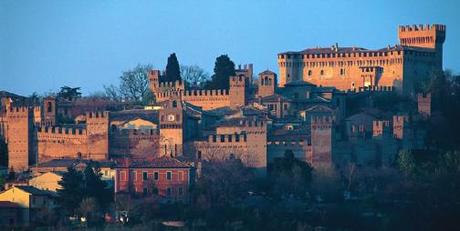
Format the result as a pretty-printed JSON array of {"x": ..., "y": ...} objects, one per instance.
[
  {"x": 194, "y": 75},
  {"x": 223, "y": 69},
  {"x": 172, "y": 69},
  {"x": 77, "y": 186},
  {"x": 133, "y": 87},
  {"x": 69, "y": 93}
]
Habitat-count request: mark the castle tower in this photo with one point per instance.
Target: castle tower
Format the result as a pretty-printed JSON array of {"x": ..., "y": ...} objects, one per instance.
[
  {"x": 20, "y": 138},
  {"x": 290, "y": 68},
  {"x": 267, "y": 83},
  {"x": 97, "y": 128},
  {"x": 247, "y": 70},
  {"x": 400, "y": 124},
  {"x": 321, "y": 141},
  {"x": 380, "y": 128},
  {"x": 424, "y": 36},
  {"x": 154, "y": 80},
  {"x": 424, "y": 105},
  {"x": 237, "y": 91},
  {"x": 49, "y": 111},
  {"x": 171, "y": 128}
]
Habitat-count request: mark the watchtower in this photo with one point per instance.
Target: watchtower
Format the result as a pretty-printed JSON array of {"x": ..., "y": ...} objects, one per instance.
[
  {"x": 49, "y": 111},
  {"x": 237, "y": 91},
  {"x": 267, "y": 83},
  {"x": 424, "y": 36},
  {"x": 321, "y": 141},
  {"x": 20, "y": 138},
  {"x": 97, "y": 128}
]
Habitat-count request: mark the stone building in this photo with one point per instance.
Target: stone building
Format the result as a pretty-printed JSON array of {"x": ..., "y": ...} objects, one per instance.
[{"x": 417, "y": 56}]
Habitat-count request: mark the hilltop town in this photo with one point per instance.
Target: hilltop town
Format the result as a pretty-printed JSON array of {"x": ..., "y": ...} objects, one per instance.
[{"x": 339, "y": 116}]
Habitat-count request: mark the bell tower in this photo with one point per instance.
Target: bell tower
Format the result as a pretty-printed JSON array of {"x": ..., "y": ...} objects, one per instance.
[
  {"x": 171, "y": 128},
  {"x": 267, "y": 83}
]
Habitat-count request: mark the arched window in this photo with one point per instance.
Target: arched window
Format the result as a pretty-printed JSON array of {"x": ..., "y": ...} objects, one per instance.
[{"x": 49, "y": 108}]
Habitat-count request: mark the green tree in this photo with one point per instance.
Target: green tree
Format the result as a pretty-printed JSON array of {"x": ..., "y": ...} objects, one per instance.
[
  {"x": 223, "y": 69},
  {"x": 71, "y": 193},
  {"x": 290, "y": 176},
  {"x": 221, "y": 183},
  {"x": 95, "y": 187},
  {"x": 406, "y": 162},
  {"x": 69, "y": 93},
  {"x": 172, "y": 69}
]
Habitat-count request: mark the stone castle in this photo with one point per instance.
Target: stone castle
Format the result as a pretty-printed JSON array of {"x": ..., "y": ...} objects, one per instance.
[
  {"x": 256, "y": 120},
  {"x": 418, "y": 55}
]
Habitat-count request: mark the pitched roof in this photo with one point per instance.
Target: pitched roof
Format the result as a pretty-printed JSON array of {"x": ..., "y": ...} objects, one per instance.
[
  {"x": 267, "y": 72},
  {"x": 32, "y": 190},
  {"x": 160, "y": 162}
]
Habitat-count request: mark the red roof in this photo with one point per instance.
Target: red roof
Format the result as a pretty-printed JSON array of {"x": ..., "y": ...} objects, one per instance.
[{"x": 161, "y": 162}]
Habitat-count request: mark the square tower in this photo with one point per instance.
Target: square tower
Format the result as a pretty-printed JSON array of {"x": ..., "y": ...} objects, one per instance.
[
  {"x": 171, "y": 128},
  {"x": 267, "y": 83}
]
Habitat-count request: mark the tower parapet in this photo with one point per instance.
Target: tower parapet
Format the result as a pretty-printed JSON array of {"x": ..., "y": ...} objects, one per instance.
[{"x": 424, "y": 36}]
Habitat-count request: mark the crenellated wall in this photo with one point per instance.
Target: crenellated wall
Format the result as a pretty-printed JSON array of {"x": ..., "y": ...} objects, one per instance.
[
  {"x": 207, "y": 99},
  {"x": 62, "y": 142},
  {"x": 246, "y": 140},
  {"x": 89, "y": 142}
]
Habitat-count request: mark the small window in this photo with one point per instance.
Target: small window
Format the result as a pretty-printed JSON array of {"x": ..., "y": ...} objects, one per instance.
[
  {"x": 229, "y": 138},
  {"x": 144, "y": 176},
  {"x": 222, "y": 138},
  {"x": 169, "y": 175},
  {"x": 309, "y": 72},
  {"x": 174, "y": 103},
  {"x": 155, "y": 176},
  {"x": 321, "y": 72}
]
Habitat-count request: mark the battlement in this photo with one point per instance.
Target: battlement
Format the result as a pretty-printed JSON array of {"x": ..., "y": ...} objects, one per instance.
[
  {"x": 61, "y": 130},
  {"x": 95, "y": 115},
  {"x": 201, "y": 92},
  {"x": 422, "y": 27},
  {"x": 322, "y": 119},
  {"x": 135, "y": 132},
  {"x": 372, "y": 89},
  {"x": 228, "y": 138},
  {"x": 177, "y": 83},
  {"x": 251, "y": 123},
  {"x": 400, "y": 119},
  {"x": 18, "y": 109},
  {"x": 291, "y": 144},
  {"x": 237, "y": 79}
]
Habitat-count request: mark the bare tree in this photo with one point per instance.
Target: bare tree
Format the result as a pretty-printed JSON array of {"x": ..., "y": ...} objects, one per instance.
[{"x": 194, "y": 75}]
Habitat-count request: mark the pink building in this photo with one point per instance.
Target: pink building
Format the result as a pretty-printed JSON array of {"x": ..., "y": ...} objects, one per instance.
[{"x": 167, "y": 176}]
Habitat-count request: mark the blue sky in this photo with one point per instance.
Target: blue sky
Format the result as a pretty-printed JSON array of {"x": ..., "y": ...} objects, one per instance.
[{"x": 48, "y": 44}]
